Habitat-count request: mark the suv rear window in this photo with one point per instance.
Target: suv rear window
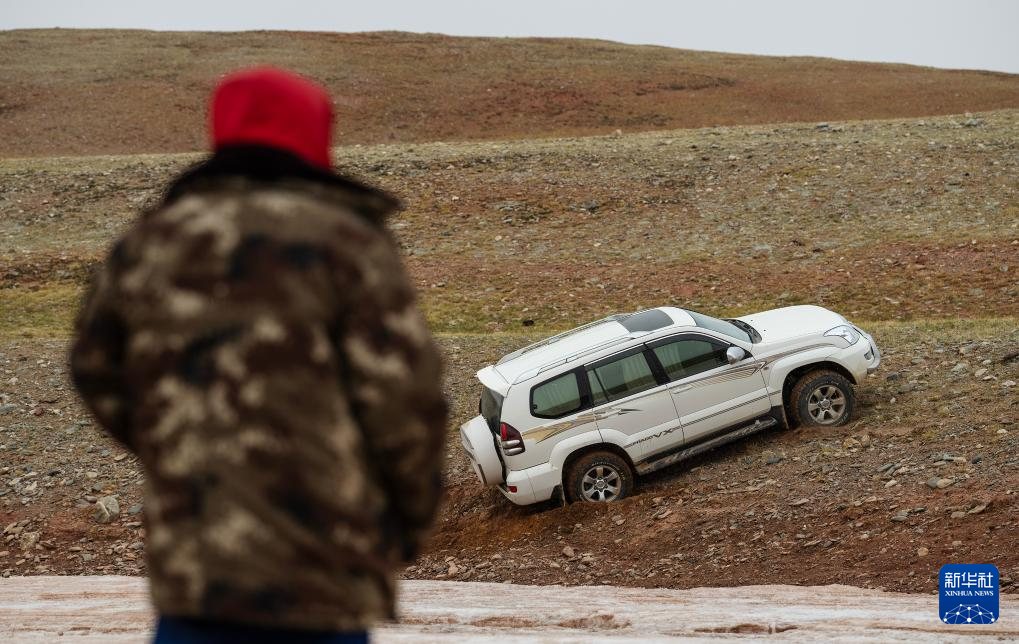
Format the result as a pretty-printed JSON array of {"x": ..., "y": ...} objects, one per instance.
[
  {"x": 490, "y": 408},
  {"x": 557, "y": 397}
]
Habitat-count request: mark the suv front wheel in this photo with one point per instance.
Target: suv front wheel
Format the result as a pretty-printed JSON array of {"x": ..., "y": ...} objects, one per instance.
[
  {"x": 822, "y": 399},
  {"x": 598, "y": 477}
]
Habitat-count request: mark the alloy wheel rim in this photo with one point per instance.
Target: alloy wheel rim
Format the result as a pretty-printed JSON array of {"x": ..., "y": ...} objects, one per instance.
[
  {"x": 601, "y": 484},
  {"x": 826, "y": 404}
]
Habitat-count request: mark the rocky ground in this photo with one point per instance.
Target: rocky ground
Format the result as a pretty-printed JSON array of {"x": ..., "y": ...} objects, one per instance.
[
  {"x": 910, "y": 227},
  {"x": 926, "y": 474},
  {"x": 880, "y": 220}
]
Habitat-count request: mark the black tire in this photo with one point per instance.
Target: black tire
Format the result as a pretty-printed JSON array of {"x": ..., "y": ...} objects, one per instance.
[
  {"x": 822, "y": 399},
  {"x": 582, "y": 478}
]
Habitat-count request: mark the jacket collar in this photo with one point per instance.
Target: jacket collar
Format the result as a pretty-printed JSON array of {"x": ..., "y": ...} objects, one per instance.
[{"x": 268, "y": 165}]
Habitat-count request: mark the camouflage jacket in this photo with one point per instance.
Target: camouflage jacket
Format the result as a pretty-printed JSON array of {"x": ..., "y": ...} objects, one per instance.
[{"x": 255, "y": 341}]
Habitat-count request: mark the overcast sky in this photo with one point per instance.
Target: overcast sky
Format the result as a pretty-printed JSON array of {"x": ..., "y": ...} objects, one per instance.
[{"x": 974, "y": 34}]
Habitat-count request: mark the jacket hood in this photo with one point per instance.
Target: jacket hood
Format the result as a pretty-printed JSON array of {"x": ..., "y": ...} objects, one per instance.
[{"x": 272, "y": 107}]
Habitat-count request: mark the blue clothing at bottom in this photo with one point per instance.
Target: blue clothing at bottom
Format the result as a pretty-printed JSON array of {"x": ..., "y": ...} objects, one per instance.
[{"x": 176, "y": 630}]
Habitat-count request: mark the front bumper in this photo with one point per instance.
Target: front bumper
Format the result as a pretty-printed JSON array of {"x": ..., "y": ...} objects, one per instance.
[
  {"x": 873, "y": 356},
  {"x": 860, "y": 358}
]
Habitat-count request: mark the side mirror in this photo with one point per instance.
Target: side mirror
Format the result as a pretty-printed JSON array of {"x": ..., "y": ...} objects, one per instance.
[{"x": 734, "y": 355}]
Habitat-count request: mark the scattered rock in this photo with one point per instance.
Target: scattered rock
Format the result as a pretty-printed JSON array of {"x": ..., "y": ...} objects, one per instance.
[
  {"x": 939, "y": 483},
  {"x": 106, "y": 509},
  {"x": 28, "y": 540},
  {"x": 922, "y": 552}
]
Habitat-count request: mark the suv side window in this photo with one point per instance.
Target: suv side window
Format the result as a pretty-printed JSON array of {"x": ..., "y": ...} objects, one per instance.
[
  {"x": 557, "y": 397},
  {"x": 620, "y": 378},
  {"x": 688, "y": 357}
]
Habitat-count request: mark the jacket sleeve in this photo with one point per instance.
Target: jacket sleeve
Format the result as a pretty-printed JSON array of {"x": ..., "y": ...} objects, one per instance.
[
  {"x": 394, "y": 378},
  {"x": 97, "y": 358}
]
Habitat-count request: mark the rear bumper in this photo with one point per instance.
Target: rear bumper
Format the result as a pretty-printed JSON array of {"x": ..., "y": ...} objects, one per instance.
[{"x": 533, "y": 485}]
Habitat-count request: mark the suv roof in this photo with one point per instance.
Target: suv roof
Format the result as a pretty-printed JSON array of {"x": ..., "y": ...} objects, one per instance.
[{"x": 531, "y": 360}]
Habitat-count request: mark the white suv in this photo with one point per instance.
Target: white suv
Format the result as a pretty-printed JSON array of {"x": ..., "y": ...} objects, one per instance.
[{"x": 585, "y": 411}]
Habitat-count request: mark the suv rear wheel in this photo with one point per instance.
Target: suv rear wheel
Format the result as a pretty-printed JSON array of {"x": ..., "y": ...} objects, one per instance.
[
  {"x": 822, "y": 399},
  {"x": 599, "y": 477}
]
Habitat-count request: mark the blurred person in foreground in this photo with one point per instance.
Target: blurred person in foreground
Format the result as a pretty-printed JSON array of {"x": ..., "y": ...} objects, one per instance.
[{"x": 254, "y": 340}]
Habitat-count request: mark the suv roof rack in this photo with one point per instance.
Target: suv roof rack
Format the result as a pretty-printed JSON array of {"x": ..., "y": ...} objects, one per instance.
[{"x": 555, "y": 338}]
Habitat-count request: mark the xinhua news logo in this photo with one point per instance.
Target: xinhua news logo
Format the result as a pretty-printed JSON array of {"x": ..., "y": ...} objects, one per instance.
[{"x": 969, "y": 594}]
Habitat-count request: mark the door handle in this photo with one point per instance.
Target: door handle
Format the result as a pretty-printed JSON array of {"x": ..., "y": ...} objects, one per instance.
[{"x": 680, "y": 389}]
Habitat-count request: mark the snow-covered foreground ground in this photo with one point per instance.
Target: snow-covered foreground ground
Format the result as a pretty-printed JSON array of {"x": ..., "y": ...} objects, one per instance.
[{"x": 116, "y": 609}]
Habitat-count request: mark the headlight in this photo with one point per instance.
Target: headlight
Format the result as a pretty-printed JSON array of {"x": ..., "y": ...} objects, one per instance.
[{"x": 845, "y": 332}]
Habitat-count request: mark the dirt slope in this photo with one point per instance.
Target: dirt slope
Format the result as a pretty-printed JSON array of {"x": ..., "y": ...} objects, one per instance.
[
  {"x": 66, "y": 92},
  {"x": 778, "y": 508}
]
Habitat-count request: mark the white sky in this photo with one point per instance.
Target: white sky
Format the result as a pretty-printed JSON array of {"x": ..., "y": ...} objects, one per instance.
[{"x": 975, "y": 34}]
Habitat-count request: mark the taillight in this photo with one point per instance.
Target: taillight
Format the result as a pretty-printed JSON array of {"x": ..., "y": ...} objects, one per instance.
[{"x": 512, "y": 441}]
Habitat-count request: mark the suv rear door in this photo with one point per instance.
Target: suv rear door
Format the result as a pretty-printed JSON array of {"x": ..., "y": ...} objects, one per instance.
[
  {"x": 631, "y": 397},
  {"x": 710, "y": 394}
]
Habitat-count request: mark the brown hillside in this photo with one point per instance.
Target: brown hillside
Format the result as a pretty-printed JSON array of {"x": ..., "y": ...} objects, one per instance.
[{"x": 68, "y": 92}]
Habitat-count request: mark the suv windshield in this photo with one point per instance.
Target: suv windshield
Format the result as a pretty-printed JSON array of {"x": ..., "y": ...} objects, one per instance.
[{"x": 734, "y": 329}]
